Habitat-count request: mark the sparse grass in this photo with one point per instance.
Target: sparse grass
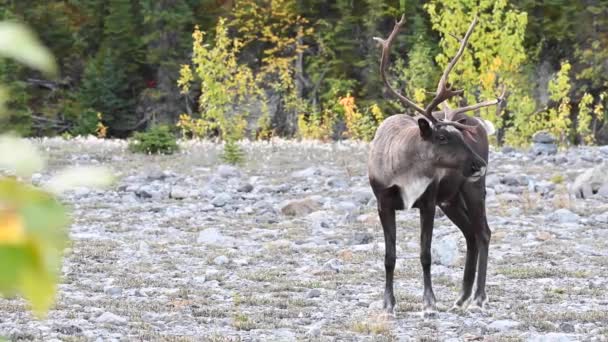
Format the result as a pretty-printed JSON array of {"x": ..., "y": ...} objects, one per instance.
[
  {"x": 376, "y": 325},
  {"x": 530, "y": 272},
  {"x": 557, "y": 178}
]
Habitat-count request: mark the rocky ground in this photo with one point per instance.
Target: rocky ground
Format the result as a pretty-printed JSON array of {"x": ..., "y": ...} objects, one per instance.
[{"x": 288, "y": 247}]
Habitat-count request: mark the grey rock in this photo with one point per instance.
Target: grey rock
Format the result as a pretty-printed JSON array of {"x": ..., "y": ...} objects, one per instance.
[
  {"x": 334, "y": 265},
  {"x": 589, "y": 182},
  {"x": 306, "y": 173},
  {"x": 148, "y": 191},
  {"x": 300, "y": 207},
  {"x": 503, "y": 325},
  {"x": 346, "y": 206},
  {"x": 313, "y": 293},
  {"x": 179, "y": 192},
  {"x": 227, "y": 171},
  {"x": 211, "y": 236},
  {"x": 543, "y": 149},
  {"x": 514, "y": 180},
  {"x": 362, "y": 196},
  {"x": 362, "y": 238},
  {"x": 566, "y": 327},
  {"x": 155, "y": 174},
  {"x": 338, "y": 183},
  {"x": 110, "y": 318},
  {"x": 444, "y": 251},
  {"x": 221, "y": 200},
  {"x": 543, "y": 137},
  {"x": 603, "y": 191},
  {"x": 565, "y": 216},
  {"x": 551, "y": 337},
  {"x": 112, "y": 290},
  {"x": 603, "y": 218},
  {"x": 245, "y": 187}
]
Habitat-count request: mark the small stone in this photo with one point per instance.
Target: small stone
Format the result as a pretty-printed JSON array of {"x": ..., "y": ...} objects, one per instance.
[
  {"x": 503, "y": 325},
  {"x": 444, "y": 251},
  {"x": 221, "y": 200},
  {"x": 565, "y": 216},
  {"x": 550, "y": 337},
  {"x": 567, "y": 327},
  {"x": 336, "y": 183},
  {"x": 300, "y": 207},
  {"x": 543, "y": 149},
  {"x": 155, "y": 174},
  {"x": 346, "y": 206},
  {"x": 306, "y": 173},
  {"x": 227, "y": 171},
  {"x": 603, "y": 218},
  {"x": 112, "y": 290},
  {"x": 543, "y": 236},
  {"x": 179, "y": 193},
  {"x": 246, "y": 187},
  {"x": 362, "y": 238},
  {"x": 543, "y": 137},
  {"x": 334, "y": 265},
  {"x": 221, "y": 260},
  {"x": 603, "y": 191},
  {"x": 110, "y": 318},
  {"x": 211, "y": 236},
  {"x": 313, "y": 293}
]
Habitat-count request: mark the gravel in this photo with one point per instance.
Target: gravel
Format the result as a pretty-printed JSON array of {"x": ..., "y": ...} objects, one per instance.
[{"x": 289, "y": 247}]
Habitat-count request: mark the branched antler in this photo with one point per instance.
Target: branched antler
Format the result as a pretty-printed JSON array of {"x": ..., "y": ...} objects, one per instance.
[{"x": 444, "y": 90}]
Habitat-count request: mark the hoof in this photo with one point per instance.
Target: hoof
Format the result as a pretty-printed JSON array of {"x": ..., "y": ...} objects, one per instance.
[
  {"x": 429, "y": 313},
  {"x": 479, "y": 304},
  {"x": 460, "y": 306}
]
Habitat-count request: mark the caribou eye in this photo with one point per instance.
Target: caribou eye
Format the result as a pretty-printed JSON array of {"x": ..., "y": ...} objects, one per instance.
[{"x": 442, "y": 138}]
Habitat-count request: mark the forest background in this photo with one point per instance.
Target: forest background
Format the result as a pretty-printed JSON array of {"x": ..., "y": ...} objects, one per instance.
[{"x": 304, "y": 68}]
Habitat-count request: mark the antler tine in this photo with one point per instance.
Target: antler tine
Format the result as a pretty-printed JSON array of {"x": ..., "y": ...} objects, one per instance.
[
  {"x": 386, "y": 45},
  {"x": 488, "y": 103},
  {"x": 444, "y": 92}
]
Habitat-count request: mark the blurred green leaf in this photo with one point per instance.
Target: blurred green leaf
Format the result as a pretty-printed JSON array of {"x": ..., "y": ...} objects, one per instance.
[{"x": 18, "y": 42}]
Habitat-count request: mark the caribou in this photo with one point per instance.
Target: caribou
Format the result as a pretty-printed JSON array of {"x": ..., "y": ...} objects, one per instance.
[{"x": 437, "y": 158}]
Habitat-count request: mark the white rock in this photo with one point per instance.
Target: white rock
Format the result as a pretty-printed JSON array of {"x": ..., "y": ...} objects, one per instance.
[
  {"x": 110, "y": 318},
  {"x": 221, "y": 260},
  {"x": 444, "y": 251},
  {"x": 221, "y": 200},
  {"x": 211, "y": 236},
  {"x": 503, "y": 325},
  {"x": 227, "y": 171},
  {"x": 309, "y": 172}
]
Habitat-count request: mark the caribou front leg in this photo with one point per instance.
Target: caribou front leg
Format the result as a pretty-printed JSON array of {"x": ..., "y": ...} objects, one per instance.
[
  {"x": 427, "y": 216},
  {"x": 387, "y": 218}
]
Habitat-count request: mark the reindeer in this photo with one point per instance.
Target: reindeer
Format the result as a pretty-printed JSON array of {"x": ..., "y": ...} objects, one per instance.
[{"x": 435, "y": 158}]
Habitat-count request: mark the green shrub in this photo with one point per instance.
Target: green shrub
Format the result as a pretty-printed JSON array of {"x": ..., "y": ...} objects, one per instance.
[
  {"x": 158, "y": 140},
  {"x": 232, "y": 152}
]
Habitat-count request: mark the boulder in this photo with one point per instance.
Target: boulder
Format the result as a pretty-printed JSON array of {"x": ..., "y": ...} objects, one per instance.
[{"x": 590, "y": 182}]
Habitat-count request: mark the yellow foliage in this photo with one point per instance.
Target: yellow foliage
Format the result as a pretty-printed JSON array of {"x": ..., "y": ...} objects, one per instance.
[
  {"x": 317, "y": 125},
  {"x": 227, "y": 87},
  {"x": 360, "y": 125},
  {"x": 101, "y": 130},
  {"x": 12, "y": 230}
]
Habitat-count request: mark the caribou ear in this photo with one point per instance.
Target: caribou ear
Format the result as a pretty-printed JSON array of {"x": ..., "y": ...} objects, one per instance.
[{"x": 425, "y": 128}]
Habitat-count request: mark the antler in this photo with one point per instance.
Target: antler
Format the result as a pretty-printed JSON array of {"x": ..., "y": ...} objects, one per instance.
[
  {"x": 444, "y": 90},
  {"x": 386, "y": 46}
]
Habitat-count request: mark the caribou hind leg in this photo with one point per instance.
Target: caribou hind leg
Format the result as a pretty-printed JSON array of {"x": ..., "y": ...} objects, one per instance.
[
  {"x": 483, "y": 244},
  {"x": 457, "y": 213}
]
